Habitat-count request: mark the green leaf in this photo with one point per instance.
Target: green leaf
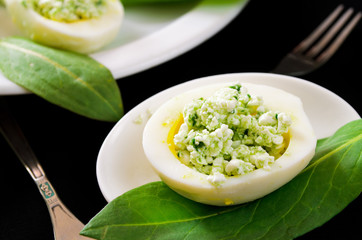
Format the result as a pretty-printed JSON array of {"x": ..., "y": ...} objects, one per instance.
[
  {"x": 331, "y": 181},
  {"x": 70, "y": 80}
]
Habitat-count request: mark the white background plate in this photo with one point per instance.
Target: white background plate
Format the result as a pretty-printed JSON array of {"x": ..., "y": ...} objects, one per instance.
[
  {"x": 122, "y": 164},
  {"x": 150, "y": 35}
]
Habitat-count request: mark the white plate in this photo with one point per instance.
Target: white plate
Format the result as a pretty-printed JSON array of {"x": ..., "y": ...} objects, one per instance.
[
  {"x": 122, "y": 164},
  {"x": 150, "y": 35}
]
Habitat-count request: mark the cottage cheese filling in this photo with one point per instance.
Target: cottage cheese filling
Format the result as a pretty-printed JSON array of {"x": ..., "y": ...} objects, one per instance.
[
  {"x": 67, "y": 10},
  {"x": 231, "y": 133}
]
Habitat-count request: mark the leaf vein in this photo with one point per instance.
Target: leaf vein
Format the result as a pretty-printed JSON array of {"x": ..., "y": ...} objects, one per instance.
[
  {"x": 293, "y": 206},
  {"x": 250, "y": 219},
  {"x": 351, "y": 141},
  {"x": 58, "y": 66}
]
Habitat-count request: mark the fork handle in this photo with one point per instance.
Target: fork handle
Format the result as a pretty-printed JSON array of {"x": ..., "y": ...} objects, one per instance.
[
  {"x": 16, "y": 139},
  {"x": 64, "y": 222}
]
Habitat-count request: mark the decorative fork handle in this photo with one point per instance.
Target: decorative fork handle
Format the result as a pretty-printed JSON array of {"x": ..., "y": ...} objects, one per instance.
[{"x": 66, "y": 225}]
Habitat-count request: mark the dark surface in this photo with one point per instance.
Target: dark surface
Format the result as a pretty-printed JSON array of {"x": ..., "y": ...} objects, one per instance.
[{"x": 67, "y": 144}]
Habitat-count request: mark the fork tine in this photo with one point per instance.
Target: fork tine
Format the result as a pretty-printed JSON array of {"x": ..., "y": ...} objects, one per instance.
[
  {"x": 298, "y": 62},
  {"x": 306, "y": 43},
  {"x": 330, "y": 34},
  {"x": 339, "y": 40}
]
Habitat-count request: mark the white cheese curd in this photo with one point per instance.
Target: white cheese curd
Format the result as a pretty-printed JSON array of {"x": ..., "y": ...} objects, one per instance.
[
  {"x": 228, "y": 144},
  {"x": 82, "y": 26}
]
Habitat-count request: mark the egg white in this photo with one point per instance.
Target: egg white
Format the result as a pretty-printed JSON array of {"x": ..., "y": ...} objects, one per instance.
[
  {"x": 236, "y": 189},
  {"x": 84, "y": 36}
]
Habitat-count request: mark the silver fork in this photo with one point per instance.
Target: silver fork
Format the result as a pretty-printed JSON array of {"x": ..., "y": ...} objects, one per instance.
[
  {"x": 310, "y": 54},
  {"x": 65, "y": 225}
]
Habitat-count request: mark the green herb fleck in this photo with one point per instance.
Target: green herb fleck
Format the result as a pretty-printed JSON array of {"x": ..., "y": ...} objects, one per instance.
[{"x": 236, "y": 87}]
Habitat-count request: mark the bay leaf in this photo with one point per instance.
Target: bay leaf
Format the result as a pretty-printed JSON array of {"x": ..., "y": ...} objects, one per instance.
[
  {"x": 71, "y": 80},
  {"x": 326, "y": 186}
]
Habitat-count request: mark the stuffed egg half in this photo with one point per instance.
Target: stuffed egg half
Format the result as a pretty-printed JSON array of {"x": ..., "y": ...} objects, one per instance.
[
  {"x": 253, "y": 141},
  {"x": 82, "y": 26}
]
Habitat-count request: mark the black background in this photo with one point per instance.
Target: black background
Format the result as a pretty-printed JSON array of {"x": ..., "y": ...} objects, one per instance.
[{"x": 67, "y": 144}]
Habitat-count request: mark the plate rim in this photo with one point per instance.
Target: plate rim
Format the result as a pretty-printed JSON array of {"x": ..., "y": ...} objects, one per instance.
[
  {"x": 187, "y": 86},
  {"x": 213, "y": 19}
]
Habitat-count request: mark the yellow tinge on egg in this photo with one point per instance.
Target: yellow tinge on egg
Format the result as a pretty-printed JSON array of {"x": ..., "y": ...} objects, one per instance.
[
  {"x": 82, "y": 26},
  {"x": 204, "y": 185}
]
